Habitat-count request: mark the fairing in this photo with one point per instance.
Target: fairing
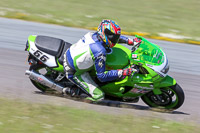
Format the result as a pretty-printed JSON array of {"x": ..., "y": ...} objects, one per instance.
[
  {"x": 148, "y": 56},
  {"x": 153, "y": 56},
  {"x": 47, "y": 59},
  {"x": 119, "y": 58}
]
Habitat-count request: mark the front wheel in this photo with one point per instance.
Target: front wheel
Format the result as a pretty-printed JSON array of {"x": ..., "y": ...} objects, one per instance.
[{"x": 171, "y": 98}]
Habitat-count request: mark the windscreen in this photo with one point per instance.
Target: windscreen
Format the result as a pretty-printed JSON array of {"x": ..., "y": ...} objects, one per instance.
[{"x": 149, "y": 53}]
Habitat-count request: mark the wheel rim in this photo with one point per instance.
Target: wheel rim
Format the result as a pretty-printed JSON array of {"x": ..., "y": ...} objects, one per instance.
[
  {"x": 161, "y": 100},
  {"x": 168, "y": 96}
]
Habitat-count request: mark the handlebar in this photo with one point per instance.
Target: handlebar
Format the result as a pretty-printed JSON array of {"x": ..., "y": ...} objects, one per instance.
[{"x": 135, "y": 47}]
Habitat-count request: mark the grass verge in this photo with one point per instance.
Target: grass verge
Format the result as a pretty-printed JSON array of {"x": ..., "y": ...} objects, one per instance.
[
  {"x": 21, "y": 117},
  {"x": 149, "y": 18}
]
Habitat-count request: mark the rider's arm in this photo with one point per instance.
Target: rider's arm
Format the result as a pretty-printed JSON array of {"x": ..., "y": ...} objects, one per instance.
[
  {"x": 99, "y": 59},
  {"x": 128, "y": 41},
  {"x": 102, "y": 74},
  {"x": 123, "y": 39}
]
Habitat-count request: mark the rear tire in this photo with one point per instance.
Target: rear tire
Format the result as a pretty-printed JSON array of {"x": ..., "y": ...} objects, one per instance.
[{"x": 172, "y": 98}]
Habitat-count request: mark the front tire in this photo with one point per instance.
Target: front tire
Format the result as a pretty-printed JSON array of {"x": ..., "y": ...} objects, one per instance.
[{"x": 171, "y": 98}]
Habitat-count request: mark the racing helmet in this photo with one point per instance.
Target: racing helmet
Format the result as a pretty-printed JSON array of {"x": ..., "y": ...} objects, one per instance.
[{"x": 109, "y": 31}]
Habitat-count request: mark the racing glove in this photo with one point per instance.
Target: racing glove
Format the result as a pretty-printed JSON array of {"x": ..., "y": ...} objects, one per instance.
[
  {"x": 135, "y": 41},
  {"x": 124, "y": 72}
]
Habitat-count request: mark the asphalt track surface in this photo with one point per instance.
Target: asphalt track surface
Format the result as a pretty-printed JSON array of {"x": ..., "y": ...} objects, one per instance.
[{"x": 184, "y": 67}]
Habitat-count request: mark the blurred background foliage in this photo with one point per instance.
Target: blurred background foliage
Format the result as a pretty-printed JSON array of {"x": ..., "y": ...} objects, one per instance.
[{"x": 177, "y": 17}]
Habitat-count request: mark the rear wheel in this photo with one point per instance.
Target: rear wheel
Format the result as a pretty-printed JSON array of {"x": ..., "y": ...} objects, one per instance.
[
  {"x": 171, "y": 98},
  {"x": 41, "y": 69}
]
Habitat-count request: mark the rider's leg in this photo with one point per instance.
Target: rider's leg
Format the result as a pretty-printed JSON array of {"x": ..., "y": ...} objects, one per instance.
[{"x": 85, "y": 82}]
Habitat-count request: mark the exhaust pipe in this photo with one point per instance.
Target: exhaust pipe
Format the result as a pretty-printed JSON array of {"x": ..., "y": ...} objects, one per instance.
[{"x": 44, "y": 81}]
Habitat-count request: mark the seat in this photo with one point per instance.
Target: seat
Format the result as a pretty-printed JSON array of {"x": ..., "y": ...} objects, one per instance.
[
  {"x": 50, "y": 45},
  {"x": 61, "y": 58}
]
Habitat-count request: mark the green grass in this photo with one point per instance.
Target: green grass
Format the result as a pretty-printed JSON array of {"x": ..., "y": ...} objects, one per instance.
[
  {"x": 179, "y": 17},
  {"x": 21, "y": 117}
]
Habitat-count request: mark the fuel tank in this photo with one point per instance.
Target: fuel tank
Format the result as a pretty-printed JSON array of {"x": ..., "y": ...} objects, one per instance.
[{"x": 118, "y": 58}]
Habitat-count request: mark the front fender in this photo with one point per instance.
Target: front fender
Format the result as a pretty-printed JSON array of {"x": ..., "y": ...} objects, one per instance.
[{"x": 167, "y": 81}]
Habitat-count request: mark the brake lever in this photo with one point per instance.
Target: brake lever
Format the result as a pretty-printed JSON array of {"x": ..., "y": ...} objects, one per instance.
[
  {"x": 133, "y": 49},
  {"x": 136, "y": 70}
]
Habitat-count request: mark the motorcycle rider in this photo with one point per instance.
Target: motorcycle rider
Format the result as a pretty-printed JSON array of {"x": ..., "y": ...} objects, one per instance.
[{"x": 90, "y": 53}]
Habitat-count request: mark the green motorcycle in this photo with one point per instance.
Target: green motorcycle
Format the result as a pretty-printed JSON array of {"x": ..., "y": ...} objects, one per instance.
[{"x": 150, "y": 83}]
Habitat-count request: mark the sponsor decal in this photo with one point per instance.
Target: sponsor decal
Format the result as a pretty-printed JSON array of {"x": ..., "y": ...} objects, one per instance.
[
  {"x": 135, "y": 90},
  {"x": 40, "y": 79},
  {"x": 141, "y": 89},
  {"x": 134, "y": 56},
  {"x": 102, "y": 59},
  {"x": 102, "y": 56},
  {"x": 144, "y": 87},
  {"x": 149, "y": 65},
  {"x": 100, "y": 64}
]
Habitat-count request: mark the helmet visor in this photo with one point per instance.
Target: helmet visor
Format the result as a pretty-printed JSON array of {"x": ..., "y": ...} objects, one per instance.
[{"x": 114, "y": 38}]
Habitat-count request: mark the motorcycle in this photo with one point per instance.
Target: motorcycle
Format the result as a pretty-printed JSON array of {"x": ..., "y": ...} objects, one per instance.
[{"x": 151, "y": 82}]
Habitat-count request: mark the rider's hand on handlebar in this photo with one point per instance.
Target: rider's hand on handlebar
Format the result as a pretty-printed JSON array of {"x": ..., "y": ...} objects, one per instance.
[
  {"x": 134, "y": 42},
  {"x": 125, "y": 72},
  {"x": 137, "y": 41}
]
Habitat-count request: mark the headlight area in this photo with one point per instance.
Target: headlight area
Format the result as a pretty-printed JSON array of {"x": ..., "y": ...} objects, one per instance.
[
  {"x": 166, "y": 68},
  {"x": 162, "y": 69},
  {"x": 163, "y": 72}
]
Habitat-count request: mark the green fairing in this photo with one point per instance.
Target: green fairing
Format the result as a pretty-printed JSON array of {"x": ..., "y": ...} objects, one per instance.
[
  {"x": 31, "y": 38},
  {"x": 119, "y": 58},
  {"x": 147, "y": 53},
  {"x": 59, "y": 68},
  {"x": 167, "y": 81}
]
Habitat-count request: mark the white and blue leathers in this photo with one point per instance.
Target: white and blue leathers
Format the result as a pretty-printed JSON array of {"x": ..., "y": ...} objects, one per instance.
[{"x": 89, "y": 53}]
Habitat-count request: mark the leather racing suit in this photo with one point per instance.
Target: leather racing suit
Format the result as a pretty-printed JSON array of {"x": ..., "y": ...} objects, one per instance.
[{"x": 89, "y": 53}]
